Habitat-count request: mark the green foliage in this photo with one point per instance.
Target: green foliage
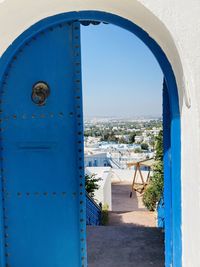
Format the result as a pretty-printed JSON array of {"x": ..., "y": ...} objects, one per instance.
[
  {"x": 105, "y": 215},
  {"x": 144, "y": 146},
  {"x": 137, "y": 150},
  {"x": 122, "y": 140},
  {"x": 154, "y": 190},
  {"x": 132, "y": 138},
  {"x": 152, "y": 143},
  {"x": 159, "y": 146},
  {"x": 94, "y": 132},
  {"x": 110, "y": 137},
  {"x": 91, "y": 184}
]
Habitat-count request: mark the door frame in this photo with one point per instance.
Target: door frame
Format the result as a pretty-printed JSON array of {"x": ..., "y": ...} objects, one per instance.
[{"x": 173, "y": 235}]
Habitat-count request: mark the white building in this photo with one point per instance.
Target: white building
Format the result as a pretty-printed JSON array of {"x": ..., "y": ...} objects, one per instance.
[
  {"x": 104, "y": 194},
  {"x": 138, "y": 138},
  {"x": 95, "y": 159}
]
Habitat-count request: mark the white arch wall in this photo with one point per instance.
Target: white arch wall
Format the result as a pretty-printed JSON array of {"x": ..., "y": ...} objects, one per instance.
[{"x": 174, "y": 24}]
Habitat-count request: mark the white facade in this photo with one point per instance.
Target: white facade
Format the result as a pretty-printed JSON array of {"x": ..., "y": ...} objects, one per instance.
[
  {"x": 127, "y": 176},
  {"x": 174, "y": 25},
  {"x": 104, "y": 193},
  {"x": 138, "y": 138},
  {"x": 96, "y": 159}
]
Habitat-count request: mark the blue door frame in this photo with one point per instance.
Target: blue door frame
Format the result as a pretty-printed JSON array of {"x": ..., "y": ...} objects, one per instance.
[
  {"x": 167, "y": 174},
  {"x": 173, "y": 253}
]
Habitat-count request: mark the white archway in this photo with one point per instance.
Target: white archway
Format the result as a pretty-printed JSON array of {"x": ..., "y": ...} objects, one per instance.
[
  {"x": 180, "y": 47},
  {"x": 131, "y": 10}
]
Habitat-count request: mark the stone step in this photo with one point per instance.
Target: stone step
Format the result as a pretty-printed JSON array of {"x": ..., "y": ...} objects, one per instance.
[
  {"x": 132, "y": 218},
  {"x": 125, "y": 246}
]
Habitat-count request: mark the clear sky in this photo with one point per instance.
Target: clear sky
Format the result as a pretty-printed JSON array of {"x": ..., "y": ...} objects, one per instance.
[{"x": 121, "y": 77}]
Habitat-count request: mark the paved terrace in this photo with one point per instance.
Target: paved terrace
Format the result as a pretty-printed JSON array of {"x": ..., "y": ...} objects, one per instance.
[
  {"x": 128, "y": 210},
  {"x": 131, "y": 239}
]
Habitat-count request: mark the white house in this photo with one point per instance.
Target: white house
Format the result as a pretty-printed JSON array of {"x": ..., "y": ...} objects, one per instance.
[
  {"x": 95, "y": 159},
  {"x": 104, "y": 194},
  {"x": 138, "y": 138}
]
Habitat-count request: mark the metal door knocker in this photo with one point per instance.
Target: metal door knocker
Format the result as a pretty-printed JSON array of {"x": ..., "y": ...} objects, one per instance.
[{"x": 40, "y": 93}]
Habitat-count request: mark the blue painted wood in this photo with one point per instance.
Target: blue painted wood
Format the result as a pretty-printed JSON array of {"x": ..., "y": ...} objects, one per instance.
[
  {"x": 167, "y": 176},
  {"x": 41, "y": 149},
  {"x": 173, "y": 231},
  {"x": 176, "y": 194},
  {"x": 161, "y": 214},
  {"x": 93, "y": 212}
]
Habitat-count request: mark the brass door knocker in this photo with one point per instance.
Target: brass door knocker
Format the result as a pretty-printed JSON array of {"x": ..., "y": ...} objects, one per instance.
[{"x": 40, "y": 93}]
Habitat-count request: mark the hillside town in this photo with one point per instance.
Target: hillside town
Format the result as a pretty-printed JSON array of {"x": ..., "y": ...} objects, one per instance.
[
  {"x": 113, "y": 146},
  {"x": 119, "y": 141}
]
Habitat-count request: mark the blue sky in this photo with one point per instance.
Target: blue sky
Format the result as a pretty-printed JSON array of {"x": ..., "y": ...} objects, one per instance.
[{"x": 121, "y": 77}]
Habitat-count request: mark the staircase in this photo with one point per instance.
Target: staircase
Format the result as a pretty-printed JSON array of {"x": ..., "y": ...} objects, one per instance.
[
  {"x": 125, "y": 246},
  {"x": 114, "y": 164},
  {"x": 131, "y": 238}
]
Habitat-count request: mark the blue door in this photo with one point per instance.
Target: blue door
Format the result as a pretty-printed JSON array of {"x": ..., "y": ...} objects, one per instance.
[{"x": 42, "y": 152}]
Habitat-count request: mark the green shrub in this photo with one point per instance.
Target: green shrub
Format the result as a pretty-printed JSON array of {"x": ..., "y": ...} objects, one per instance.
[
  {"x": 154, "y": 190},
  {"x": 144, "y": 146},
  {"x": 91, "y": 184},
  {"x": 150, "y": 198},
  {"x": 105, "y": 215},
  {"x": 137, "y": 150}
]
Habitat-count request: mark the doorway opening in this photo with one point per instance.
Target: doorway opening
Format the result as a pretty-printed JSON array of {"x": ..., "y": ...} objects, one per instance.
[{"x": 122, "y": 93}]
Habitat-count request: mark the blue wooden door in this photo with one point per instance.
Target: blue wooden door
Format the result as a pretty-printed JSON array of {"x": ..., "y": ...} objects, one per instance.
[{"x": 42, "y": 152}]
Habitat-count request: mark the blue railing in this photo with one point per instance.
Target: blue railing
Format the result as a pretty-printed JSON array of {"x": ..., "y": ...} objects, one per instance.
[
  {"x": 161, "y": 213},
  {"x": 93, "y": 212},
  {"x": 114, "y": 164}
]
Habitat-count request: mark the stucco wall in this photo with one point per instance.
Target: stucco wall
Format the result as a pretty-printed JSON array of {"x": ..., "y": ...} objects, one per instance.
[
  {"x": 174, "y": 24},
  {"x": 104, "y": 194}
]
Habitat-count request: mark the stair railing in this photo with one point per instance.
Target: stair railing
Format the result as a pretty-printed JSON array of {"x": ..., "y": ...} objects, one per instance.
[{"x": 93, "y": 211}]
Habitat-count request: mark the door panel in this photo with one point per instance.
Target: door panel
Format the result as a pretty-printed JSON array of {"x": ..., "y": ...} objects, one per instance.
[{"x": 41, "y": 145}]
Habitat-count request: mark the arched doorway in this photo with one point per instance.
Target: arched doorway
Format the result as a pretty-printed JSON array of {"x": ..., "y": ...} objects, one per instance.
[{"x": 172, "y": 183}]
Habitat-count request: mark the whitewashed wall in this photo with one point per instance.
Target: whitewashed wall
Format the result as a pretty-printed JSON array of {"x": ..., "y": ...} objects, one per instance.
[
  {"x": 96, "y": 160},
  {"x": 174, "y": 24},
  {"x": 104, "y": 194},
  {"x": 119, "y": 175}
]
